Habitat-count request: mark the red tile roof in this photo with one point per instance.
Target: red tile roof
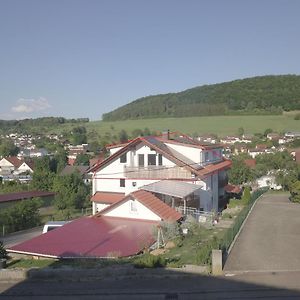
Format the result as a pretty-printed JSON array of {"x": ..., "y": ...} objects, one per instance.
[
  {"x": 163, "y": 210},
  {"x": 24, "y": 195},
  {"x": 208, "y": 169},
  {"x": 107, "y": 197},
  {"x": 157, "y": 206},
  {"x": 14, "y": 160},
  {"x": 92, "y": 237},
  {"x": 251, "y": 163}
]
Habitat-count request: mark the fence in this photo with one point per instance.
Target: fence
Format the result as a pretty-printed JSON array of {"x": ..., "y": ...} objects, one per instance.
[{"x": 200, "y": 216}]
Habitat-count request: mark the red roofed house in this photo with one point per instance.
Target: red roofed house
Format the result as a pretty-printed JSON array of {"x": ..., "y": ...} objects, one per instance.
[
  {"x": 125, "y": 228},
  {"x": 10, "y": 164},
  {"x": 143, "y": 182},
  {"x": 14, "y": 165},
  {"x": 166, "y": 162}
]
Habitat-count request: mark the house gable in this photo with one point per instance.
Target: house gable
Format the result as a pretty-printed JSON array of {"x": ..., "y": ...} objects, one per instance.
[{"x": 132, "y": 209}]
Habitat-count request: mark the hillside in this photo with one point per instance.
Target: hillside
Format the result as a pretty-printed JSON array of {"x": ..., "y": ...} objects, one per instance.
[{"x": 257, "y": 95}]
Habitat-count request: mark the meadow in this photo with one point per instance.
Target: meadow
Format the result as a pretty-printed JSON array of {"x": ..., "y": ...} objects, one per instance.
[{"x": 220, "y": 125}]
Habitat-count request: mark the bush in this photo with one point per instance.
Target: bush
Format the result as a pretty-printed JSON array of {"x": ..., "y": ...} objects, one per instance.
[
  {"x": 149, "y": 261},
  {"x": 203, "y": 255},
  {"x": 3, "y": 253}
]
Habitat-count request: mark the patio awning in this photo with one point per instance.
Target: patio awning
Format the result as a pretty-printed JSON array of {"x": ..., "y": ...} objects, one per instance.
[{"x": 179, "y": 189}]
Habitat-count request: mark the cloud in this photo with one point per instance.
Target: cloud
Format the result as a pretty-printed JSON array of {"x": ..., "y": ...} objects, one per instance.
[{"x": 30, "y": 105}]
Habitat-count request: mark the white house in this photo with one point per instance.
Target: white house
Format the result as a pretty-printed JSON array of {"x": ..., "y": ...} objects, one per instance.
[{"x": 155, "y": 164}]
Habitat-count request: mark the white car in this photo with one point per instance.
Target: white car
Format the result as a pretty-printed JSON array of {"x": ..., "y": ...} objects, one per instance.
[{"x": 53, "y": 225}]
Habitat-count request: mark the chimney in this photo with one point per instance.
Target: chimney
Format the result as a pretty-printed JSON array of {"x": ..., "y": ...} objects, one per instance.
[{"x": 166, "y": 134}]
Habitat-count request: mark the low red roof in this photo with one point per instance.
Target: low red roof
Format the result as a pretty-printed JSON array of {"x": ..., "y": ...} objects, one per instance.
[
  {"x": 24, "y": 195},
  {"x": 208, "y": 169},
  {"x": 234, "y": 189},
  {"x": 164, "y": 211},
  {"x": 92, "y": 237},
  {"x": 107, "y": 197},
  {"x": 251, "y": 163}
]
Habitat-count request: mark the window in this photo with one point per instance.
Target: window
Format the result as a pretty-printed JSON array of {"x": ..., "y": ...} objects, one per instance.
[
  {"x": 141, "y": 160},
  {"x": 159, "y": 159},
  {"x": 151, "y": 159},
  {"x": 206, "y": 157},
  {"x": 123, "y": 158},
  {"x": 122, "y": 182},
  {"x": 133, "y": 207}
]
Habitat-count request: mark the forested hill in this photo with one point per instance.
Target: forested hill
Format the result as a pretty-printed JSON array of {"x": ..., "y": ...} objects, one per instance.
[{"x": 263, "y": 94}]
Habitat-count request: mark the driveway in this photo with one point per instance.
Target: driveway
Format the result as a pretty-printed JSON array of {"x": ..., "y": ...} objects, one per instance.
[
  {"x": 270, "y": 239},
  {"x": 20, "y": 236}
]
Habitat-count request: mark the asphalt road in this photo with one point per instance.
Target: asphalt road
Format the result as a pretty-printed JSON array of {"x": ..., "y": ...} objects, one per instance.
[
  {"x": 21, "y": 236},
  {"x": 270, "y": 239}
]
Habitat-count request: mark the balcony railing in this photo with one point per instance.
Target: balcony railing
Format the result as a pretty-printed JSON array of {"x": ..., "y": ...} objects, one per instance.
[
  {"x": 200, "y": 216},
  {"x": 153, "y": 172}
]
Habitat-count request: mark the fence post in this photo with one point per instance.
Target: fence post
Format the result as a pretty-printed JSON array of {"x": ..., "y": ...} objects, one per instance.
[
  {"x": 216, "y": 259},
  {"x": 3, "y": 230}
]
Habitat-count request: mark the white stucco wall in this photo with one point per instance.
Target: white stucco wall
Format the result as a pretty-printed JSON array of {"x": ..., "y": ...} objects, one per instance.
[
  {"x": 24, "y": 167},
  {"x": 98, "y": 207},
  {"x": 141, "y": 212}
]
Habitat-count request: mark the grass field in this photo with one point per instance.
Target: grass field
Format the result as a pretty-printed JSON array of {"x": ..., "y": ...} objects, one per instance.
[{"x": 220, "y": 125}]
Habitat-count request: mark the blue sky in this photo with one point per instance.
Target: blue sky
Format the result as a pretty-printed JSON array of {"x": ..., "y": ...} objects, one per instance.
[{"x": 83, "y": 58}]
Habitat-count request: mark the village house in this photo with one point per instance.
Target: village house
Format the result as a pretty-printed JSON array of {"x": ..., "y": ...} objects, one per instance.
[
  {"x": 142, "y": 183},
  {"x": 161, "y": 165}
]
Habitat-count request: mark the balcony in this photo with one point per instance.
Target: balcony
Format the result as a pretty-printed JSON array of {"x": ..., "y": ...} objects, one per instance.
[{"x": 156, "y": 172}]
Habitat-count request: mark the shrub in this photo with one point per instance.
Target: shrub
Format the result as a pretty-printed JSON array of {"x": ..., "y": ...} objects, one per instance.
[
  {"x": 203, "y": 255},
  {"x": 149, "y": 261},
  {"x": 3, "y": 253}
]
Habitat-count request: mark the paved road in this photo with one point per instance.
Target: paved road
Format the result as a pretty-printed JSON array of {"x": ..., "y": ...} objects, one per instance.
[
  {"x": 21, "y": 236},
  {"x": 270, "y": 240}
]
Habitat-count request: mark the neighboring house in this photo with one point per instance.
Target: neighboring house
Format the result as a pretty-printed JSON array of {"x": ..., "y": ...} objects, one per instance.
[
  {"x": 148, "y": 160},
  {"x": 13, "y": 198},
  {"x": 230, "y": 140},
  {"x": 9, "y": 164},
  {"x": 273, "y": 136},
  {"x": 247, "y": 138},
  {"x": 292, "y": 135},
  {"x": 82, "y": 170},
  {"x": 125, "y": 228},
  {"x": 268, "y": 181},
  {"x": 12, "y": 168}
]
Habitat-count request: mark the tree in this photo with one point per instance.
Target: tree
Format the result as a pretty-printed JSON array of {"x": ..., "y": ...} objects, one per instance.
[
  {"x": 82, "y": 160},
  {"x": 71, "y": 191},
  {"x": 239, "y": 172},
  {"x": 79, "y": 135},
  {"x": 240, "y": 131},
  {"x": 22, "y": 215},
  {"x": 123, "y": 136},
  {"x": 295, "y": 192},
  {"x": 8, "y": 148},
  {"x": 267, "y": 131}
]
